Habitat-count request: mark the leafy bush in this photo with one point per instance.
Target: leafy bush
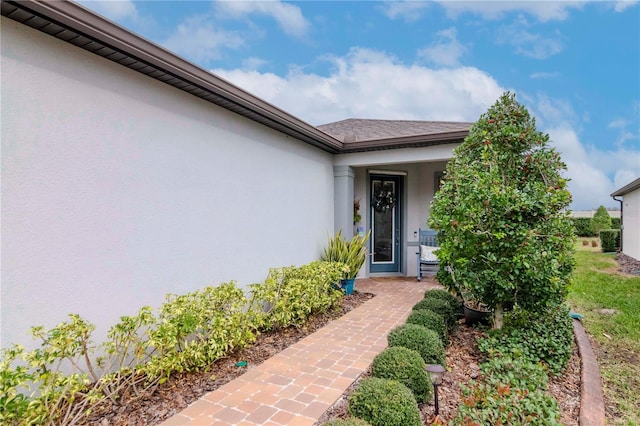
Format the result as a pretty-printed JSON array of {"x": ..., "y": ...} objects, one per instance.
[
  {"x": 351, "y": 253},
  {"x": 294, "y": 293},
  {"x": 515, "y": 372},
  {"x": 600, "y": 220},
  {"x": 510, "y": 390},
  {"x": 489, "y": 404},
  {"x": 384, "y": 402},
  {"x": 431, "y": 320},
  {"x": 583, "y": 226},
  {"x": 351, "y": 421},
  {"x": 445, "y": 295},
  {"x": 143, "y": 350},
  {"x": 407, "y": 367},
  {"x": 422, "y": 340},
  {"x": 440, "y": 307},
  {"x": 504, "y": 232},
  {"x": 545, "y": 336},
  {"x": 610, "y": 240}
]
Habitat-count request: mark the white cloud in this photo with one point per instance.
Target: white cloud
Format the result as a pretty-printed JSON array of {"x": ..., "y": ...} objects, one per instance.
[
  {"x": 621, "y": 6},
  {"x": 542, "y": 74},
  {"x": 253, "y": 63},
  {"x": 527, "y": 43},
  {"x": 446, "y": 51},
  {"x": 371, "y": 84},
  {"x": 541, "y": 10},
  {"x": 198, "y": 40},
  {"x": 409, "y": 11},
  {"x": 288, "y": 16},
  {"x": 113, "y": 9}
]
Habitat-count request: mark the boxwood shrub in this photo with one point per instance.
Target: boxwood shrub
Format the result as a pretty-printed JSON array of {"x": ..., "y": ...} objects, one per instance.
[
  {"x": 351, "y": 421},
  {"x": 431, "y": 320},
  {"x": 384, "y": 402},
  {"x": 610, "y": 240},
  {"x": 442, "y": 307},
  {"x": 407, "y": 367},
  {"x": 445, "y": 295},
  {"x": 545, "y": 336},
  {"x": 422, "y": 340}
]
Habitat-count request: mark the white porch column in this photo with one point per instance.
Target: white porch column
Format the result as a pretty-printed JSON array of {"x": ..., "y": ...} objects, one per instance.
[{"x": 343, "y": 200}]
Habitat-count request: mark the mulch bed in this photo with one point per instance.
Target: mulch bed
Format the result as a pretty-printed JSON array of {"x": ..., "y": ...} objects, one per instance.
[{"x": 182, "y": 389}]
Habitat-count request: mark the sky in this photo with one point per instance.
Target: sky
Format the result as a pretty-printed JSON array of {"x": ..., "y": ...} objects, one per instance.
[{"x": 575, "y": 65}]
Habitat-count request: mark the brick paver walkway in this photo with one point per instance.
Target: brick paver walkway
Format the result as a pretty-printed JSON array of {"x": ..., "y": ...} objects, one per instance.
[{"x": 296, "y": 386}]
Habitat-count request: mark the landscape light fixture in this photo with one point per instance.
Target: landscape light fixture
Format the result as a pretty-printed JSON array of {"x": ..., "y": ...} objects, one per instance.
[{"x": 436, "y": 372}]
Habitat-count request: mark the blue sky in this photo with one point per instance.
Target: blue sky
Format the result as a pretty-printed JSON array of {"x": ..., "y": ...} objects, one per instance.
[{"x": 575, "y": 65}]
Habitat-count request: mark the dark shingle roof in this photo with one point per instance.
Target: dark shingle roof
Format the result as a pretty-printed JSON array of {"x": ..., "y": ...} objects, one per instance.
[{"x": 356, "y": 129}]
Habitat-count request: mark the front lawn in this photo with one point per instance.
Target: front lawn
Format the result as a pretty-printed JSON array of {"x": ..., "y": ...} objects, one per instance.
[{"x": 597, "y": 287}]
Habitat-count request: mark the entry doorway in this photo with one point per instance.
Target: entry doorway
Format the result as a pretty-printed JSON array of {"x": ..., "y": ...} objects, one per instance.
[{"x": 385, "y": 216}]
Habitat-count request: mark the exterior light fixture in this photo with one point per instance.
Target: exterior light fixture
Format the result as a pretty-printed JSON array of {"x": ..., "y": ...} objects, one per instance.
[{"x": 436, "y": 372}]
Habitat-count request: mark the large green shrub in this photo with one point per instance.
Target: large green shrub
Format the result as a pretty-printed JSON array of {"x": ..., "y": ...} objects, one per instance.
[
  {"x": 432, "y": 321},
  {"x": 615, "y": 223},
  {"x": 407, "y": 367},
  {"x": 610, "y": 240},
  {"x": 538, "y": 337},
  {"x": 583, "y": 227},
  {"x": 422, "y": 340},
  {"x": 504, "y": 232},
  {"x": 441, "y": 307},
  {"x": 600, "y": 220},
  {"x": 384, "y": 402}
]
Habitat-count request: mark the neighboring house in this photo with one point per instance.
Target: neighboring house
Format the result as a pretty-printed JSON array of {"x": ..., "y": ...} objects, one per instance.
[
  {"x": 589, "y": 213},
  {"x": 630, "y": 222},
  {"x": 129, "y": 173}
]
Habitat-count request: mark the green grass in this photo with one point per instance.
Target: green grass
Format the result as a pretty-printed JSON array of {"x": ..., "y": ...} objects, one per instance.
[{"x": 597, "y": 285}]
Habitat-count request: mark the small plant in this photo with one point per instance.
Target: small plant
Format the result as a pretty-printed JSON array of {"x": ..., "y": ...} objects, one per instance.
[
  {"x": 351, "y": 421},
  {"x": 384, "y": 402},
  {"x": 594, "y": 243},
  {"x": 441, "y": 307},
  {"x": 431, "y": 320},
  {"x": 539, "y": 337},
  {"x": 610, "y": 240},
  {"x": 515, "y": 372},
  {"x": 407, "y": 367},
  {"x": 422, "y": 340},
  {"x": 351, "y": 253},
  {"x": 585, "y": 242}
]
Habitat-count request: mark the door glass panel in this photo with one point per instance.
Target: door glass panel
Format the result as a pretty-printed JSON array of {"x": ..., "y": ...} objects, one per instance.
[{"x": 383, "y": 224}]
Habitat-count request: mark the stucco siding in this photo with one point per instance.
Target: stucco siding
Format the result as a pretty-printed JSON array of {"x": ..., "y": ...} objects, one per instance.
[
  {"x": 118, "y": 189},
  {"x": 631, "y": 218}
]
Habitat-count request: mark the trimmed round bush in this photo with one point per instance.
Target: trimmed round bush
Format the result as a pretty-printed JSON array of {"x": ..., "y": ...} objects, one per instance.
[
  {"x": 420, "y": 339},
  {"x": 407, "y": 367},
  {"x": 442, "y": 307},
  {"x": 431, "y": 320},
  {"x": 351, "y": 421},
  {"x": 384, "y": 402},
  {"x": 445, "y": 295}
]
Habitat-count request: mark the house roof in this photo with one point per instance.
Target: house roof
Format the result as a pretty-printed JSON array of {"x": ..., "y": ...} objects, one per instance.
[
  {"x": 627, "y": 188},
  {"x": 74, "y": 24},
  {"x": 365, "y": 134}
]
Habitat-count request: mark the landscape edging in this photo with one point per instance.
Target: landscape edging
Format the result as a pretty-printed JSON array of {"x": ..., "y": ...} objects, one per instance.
[{"x": 591, "y": 396}]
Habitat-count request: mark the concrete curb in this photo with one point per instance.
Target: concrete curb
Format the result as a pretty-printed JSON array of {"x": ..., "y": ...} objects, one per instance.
[{"x": 591, "y": 396}]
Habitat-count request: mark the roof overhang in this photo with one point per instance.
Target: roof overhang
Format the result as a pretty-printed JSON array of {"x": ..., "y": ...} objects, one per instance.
[
  {"x": 72, "y": 23},
  {"x": 627, "y": 189},
  {"x": 414, "y": 141}
]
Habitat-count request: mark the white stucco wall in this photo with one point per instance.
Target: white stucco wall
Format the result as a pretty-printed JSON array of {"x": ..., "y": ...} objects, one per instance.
[
  {"x": 118, "y": 189},
  {"x": 631, "y": 218}
]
